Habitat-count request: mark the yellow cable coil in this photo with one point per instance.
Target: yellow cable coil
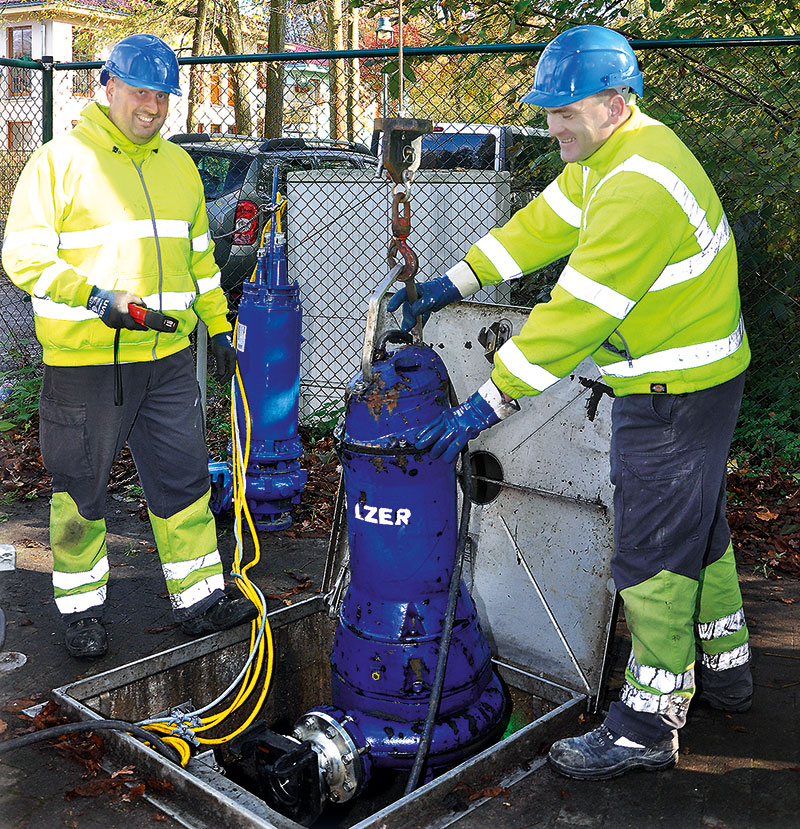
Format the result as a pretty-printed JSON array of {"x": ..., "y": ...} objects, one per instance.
[{"x": 251, "y": 677}]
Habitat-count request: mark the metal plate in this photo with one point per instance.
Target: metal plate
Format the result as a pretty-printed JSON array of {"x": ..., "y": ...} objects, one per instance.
[{"x": 540, "y": 569}]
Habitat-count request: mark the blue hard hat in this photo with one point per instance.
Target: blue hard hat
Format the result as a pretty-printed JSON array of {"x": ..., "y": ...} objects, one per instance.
[
  {"x": 144, "y": 61},
  {"x": 580, "y": 62}
]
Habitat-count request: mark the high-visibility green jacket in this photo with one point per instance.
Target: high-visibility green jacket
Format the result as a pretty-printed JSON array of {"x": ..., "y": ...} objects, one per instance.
[
  {"x": 650, "y": 290},
  {"x": 92, "y": 208}
]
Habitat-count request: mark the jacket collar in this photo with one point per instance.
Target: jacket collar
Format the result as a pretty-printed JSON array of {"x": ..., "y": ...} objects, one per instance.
[
  {"x": 102, "y": 131},
  {"x": 601, "y": 159}
]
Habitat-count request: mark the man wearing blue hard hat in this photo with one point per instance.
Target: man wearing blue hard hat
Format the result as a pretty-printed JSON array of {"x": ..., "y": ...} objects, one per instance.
[
  {"x": 650, "y": 292},
  {"x": 108, "y": 216}
]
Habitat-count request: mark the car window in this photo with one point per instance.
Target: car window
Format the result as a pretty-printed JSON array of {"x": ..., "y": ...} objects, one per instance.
[
  {"x": 286, "y": 164},
  {"x": 332, "y": 162},
  {"x": 221, "y": 173},
  {"x": 464, "y": 151}
]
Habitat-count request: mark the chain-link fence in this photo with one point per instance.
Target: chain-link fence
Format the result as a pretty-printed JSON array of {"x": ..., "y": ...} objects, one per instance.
[{"x": 312, "y": 115}]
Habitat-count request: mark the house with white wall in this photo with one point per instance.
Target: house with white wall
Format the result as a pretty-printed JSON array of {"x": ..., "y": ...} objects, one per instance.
[{"x": 72, "y": 32}]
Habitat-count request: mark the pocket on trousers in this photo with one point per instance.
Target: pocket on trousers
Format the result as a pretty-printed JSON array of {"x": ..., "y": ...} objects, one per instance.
[
  {"x": 63, "y": 439},
  {"x": 661, "y": 498}
]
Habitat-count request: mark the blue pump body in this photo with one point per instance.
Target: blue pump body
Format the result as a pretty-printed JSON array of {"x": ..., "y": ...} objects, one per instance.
[
  {"x": 268, "y": 354},
  {"x": 402, "y": 532}
]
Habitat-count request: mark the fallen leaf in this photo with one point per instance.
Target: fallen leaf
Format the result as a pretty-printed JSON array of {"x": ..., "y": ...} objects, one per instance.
[
  {"x": 765, "y": 514},
  {"x": 16, "y": 706},
  {"x": 787, "y": 601},
  {"x": 3, "y": 726}
]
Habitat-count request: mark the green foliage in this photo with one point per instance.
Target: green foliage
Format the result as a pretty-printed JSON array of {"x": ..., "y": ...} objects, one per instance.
[
  {"x": 321, "y": 423},
  {"x": 23, "y": 401}
]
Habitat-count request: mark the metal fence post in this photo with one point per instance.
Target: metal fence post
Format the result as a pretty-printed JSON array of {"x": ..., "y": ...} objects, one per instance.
[{"x": 47, "y": 98}]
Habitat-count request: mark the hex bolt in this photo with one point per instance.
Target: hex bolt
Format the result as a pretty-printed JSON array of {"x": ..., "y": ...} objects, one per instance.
[
  {"x": 347, "y": 759},
  {"x": 330, "y": 733},
  {"x": 348, "y": 786},
  {"x": 334, "y": 796}
]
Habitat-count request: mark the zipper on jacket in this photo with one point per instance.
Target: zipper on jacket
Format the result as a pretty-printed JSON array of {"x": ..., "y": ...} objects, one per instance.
[
  {"x": 158, "y": 245},
  {"x": 622, "y": 352}
]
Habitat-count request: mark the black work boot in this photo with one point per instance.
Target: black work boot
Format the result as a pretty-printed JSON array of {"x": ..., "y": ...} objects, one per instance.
[
  {"x": 599, "y": 755},
  {"x": 222, "y": 615},
  {"x": 86, "y": 639}
]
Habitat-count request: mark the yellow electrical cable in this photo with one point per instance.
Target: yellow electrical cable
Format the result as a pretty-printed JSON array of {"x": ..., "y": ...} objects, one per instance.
[
  {"x": 278, "y": 213},
  {"x": 245, "y": 587}
]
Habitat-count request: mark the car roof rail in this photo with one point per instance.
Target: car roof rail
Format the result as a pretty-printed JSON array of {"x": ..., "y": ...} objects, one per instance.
[
  {"x": 189, "y": 137},
  {"x": 298, "y": 142}
]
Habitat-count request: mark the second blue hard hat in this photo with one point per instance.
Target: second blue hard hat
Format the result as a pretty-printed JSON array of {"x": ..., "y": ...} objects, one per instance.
[
  {"x": 580, "y": 62},
  {"x": 144, "y": 61}
]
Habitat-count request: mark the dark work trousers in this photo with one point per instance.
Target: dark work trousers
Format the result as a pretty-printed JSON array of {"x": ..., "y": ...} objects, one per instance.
[
  {"x": 82, "y": 432},
  {"x": 668, "y": 465}
]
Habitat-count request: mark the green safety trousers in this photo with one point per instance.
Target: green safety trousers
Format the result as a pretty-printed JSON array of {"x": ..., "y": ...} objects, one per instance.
[
  {"x": 673, "y": 560},
  {"x": 82, "y": 432}
]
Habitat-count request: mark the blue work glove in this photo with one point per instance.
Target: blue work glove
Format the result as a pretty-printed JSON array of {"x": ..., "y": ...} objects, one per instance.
[
  {"x": 449, "y": 433},
  {"x": 224, "y": 357},
  {"x": 433, "y": 295},
  {"x": 112, "y": 308}
]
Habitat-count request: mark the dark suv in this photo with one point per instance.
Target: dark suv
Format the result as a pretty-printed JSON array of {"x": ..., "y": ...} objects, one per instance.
[{"x": 237, "y": 174}]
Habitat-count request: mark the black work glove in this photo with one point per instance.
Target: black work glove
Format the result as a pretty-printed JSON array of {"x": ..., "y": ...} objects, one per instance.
[
  {"x": 112, "y": 308},
  {"x": 224, "y": 357}
]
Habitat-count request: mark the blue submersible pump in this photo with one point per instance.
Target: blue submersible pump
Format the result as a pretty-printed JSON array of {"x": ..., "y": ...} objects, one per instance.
[
  {"x": 413, "y": 687},
  {"x": 268, "y": 355}
]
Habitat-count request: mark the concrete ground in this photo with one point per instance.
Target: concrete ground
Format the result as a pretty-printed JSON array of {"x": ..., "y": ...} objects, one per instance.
[{"x": 737, "y": 771}]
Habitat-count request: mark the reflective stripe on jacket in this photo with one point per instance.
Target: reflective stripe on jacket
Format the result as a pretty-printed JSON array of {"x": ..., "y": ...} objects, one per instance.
[
  {"x": 650, "y": 290},
  {"x": 92, "y": 208}
]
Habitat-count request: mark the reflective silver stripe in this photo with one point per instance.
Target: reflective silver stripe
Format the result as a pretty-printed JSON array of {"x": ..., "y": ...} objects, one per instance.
[
  {"x": 81, "y": 601},
  {"x": 727, "y": 659},
  {"x": 21, "y": 238},
  {"x": 675, "y": 359},
  {"x": 209, "y": 283},
  {"x": 48, "y": 276},
  {"x": 47, "y": 309},
  {"x": 171, "y": 300},
  {"x": 463, "y": 278},
  {"x": 201, "y": 242},
  {"x": 178, "y": 570},
  {"x": 710, "y": 243},
  {"x": 517, "y": 363},
  {"x": 661, "y": 680},
  {"x": 721, "y": 627},
  {"x": 667, "y": 702},
  {"x": 601, "y": 296},
  {"x": 698, "y": 263},
  {"x": 197, "y": 592},
  {"x": 69, "y": 581},
  {"x": 503, "y": 261},
  {"x": 561, "y": 205},
  {"x": 673, "y": 707},
  {"x": 123, "y": 232}
]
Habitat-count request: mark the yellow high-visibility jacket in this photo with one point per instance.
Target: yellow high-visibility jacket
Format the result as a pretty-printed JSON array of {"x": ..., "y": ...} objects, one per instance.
[
  {"x": 650, "y": 290},
  {"x": 92, "y": 208}
]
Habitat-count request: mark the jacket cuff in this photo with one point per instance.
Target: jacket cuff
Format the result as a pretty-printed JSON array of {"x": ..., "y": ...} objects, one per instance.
[
  {"x": 494, "y": 397},
  {"x": 463, "y": 277}
]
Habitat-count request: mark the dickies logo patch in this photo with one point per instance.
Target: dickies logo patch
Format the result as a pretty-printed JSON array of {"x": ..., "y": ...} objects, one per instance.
[{"x": 658, "y": 388}]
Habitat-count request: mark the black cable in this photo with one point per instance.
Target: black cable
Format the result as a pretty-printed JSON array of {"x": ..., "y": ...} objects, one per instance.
[
  {"x": 92, "y": 725},
  {"x": 449, "y": 618}
]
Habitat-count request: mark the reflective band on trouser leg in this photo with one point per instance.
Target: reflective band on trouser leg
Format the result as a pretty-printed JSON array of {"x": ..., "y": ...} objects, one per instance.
[
  {"x": 187, "y": 546},
  {"x": 659, "y": 678},
  {"x": 720, "y": 625},
  {"x": 80, "y": 563}
]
